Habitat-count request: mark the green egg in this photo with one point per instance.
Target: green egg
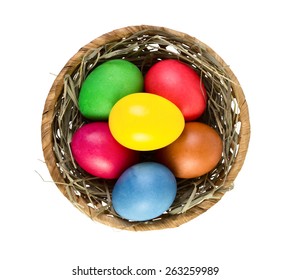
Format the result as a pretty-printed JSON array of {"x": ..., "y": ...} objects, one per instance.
[{"x": 105, "y": 85}]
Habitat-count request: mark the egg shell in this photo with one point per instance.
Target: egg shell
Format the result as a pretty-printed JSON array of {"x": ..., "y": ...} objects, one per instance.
[
  {"x": 196, "y": 152},
  {"x": 144, "y": 191},
  {"x": 105, "y": 85},
  {"x": 97, "y": 152},
  {"x": 179, "y": 83},
  {"x": 145, "y": 122}
]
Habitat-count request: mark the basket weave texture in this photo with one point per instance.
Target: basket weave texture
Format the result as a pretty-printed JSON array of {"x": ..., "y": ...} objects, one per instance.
[{"x": 144, "y": 45}]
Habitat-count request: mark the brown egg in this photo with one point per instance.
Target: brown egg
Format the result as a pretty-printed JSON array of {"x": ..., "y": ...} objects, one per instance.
[{"x": 196, "y": 152}]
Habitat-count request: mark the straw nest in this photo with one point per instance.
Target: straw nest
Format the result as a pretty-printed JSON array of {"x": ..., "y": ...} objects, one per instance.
[{"x": 227, "y": 112}]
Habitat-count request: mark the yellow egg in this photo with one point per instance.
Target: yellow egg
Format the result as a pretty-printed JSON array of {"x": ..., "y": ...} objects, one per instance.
[{"x": 144, "y": 122}]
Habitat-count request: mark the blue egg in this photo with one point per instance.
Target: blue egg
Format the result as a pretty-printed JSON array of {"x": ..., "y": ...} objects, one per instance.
[{"x": 144, "y": 191}]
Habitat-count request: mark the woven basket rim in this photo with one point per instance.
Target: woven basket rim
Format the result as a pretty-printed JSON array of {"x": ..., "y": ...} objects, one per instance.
[{"x": 56, "y": 89}]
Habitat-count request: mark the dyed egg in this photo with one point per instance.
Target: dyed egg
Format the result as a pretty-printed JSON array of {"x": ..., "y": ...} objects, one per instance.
[
  {"x": 196, "y": 152},
  {"x": 179, "y": 83},
  {"x": 144, "y": 191},
  {"x": 98, "y": 153},
  {"x": 105, "y": 85},
  {"x": 145, "y": 122}
]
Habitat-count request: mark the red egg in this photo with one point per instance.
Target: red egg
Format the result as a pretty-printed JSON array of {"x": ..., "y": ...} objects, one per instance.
[
  {"x": 97, "y": 152},
  {"x": 196, "y": 152},
  {"x": 179, "y": 83}
]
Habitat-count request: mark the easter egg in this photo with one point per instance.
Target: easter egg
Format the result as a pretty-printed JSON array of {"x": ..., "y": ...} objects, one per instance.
[
  {"x": 98, "y": 153},
  {"x": 145, "y": 122},
  {"x": 105, "y": 85},
  {"x": 179, "y": 83},
  {"x": 196, "y": 152},
  {"x": 144, "y": 191}
]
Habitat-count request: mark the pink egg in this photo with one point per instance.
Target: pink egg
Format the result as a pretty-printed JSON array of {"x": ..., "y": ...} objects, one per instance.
[{"x": 97, "y": 152}]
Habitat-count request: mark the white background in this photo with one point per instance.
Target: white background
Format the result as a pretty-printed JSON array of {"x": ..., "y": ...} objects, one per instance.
[{"x": 247, "y": 234}]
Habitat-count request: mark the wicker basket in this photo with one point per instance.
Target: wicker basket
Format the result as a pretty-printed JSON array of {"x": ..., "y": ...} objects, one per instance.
[{"x": 144, "y": 45}]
